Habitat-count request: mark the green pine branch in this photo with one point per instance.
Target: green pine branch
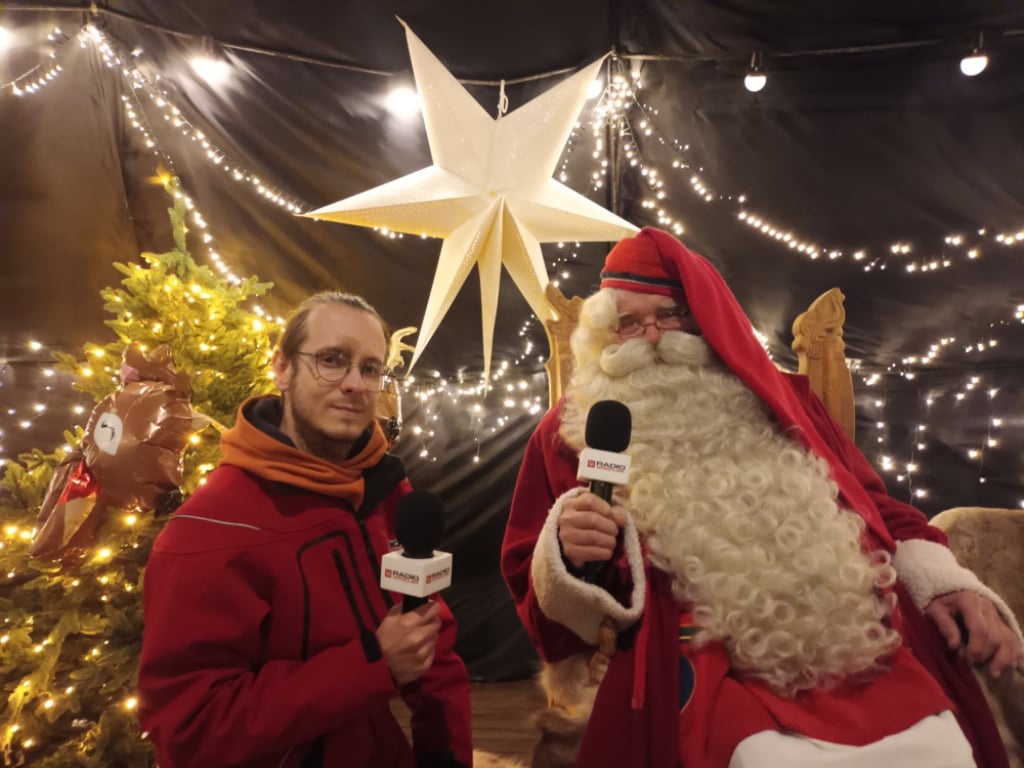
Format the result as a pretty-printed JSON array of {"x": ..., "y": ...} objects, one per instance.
[{"x": 70, "y": 638}]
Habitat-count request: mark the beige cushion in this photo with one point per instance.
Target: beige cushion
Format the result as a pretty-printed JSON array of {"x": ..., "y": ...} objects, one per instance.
[{"x": 991, "y": 543}]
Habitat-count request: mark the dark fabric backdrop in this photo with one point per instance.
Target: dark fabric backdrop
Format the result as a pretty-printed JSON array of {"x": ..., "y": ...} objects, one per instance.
[{"x": 854, "y": 150}]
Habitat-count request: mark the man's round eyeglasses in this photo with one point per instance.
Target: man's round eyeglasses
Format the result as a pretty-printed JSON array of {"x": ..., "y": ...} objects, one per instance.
[
  {"x": 665, "y": 319},
  {"x": 332, "y": 366}
]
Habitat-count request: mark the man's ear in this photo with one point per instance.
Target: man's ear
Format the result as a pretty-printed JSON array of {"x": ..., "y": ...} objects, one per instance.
[{"x": 282, "y": 371}]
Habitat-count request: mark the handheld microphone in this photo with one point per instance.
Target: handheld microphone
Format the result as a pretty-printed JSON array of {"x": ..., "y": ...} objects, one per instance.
[
  {"x": 603, "y": 462},
  {"x": 417, "y": 570}
]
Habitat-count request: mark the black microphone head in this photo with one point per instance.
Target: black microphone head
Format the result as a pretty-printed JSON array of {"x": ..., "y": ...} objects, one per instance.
[
  {"x": 609, "y": 424},
  {"x": 419, "y": 523}
]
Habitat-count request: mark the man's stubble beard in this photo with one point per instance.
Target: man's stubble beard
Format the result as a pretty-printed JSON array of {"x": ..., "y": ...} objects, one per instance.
[{"x": 310, "y": 438}]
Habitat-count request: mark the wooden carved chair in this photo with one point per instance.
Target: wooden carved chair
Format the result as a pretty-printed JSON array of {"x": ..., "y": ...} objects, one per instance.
[
  {"x": 389, "y": 404},
  {"x": 821, "y": 355},
  {"x": 988, "y": 541}
]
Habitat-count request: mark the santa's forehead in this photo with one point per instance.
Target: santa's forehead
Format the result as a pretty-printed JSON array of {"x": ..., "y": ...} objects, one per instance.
[{"x": 632, "y": 302}]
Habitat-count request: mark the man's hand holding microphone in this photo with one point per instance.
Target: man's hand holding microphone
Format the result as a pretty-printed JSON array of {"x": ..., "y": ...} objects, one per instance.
[
  {"x": 408, "y": 640},
  {"x": 409, "y": 632}
]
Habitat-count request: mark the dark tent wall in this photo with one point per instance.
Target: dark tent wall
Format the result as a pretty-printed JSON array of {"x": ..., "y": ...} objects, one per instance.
[{"x": 865, "y": 137}]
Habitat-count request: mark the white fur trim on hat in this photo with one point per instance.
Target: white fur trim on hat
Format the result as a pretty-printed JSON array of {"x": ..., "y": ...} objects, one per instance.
[
  {"x": 929, "y": 570},
  {"x": 573, "y": 602}
]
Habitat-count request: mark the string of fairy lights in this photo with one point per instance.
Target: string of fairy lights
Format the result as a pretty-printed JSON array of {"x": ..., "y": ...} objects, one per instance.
[
  {"x": 141, "y": 88},
  {"x": 42, "y": 73},
  {"x": 904, "y": 472},
  {"x": 622, "y": 94},
  {"x": 611, "y": 118},
  {"x": 958, "y": 248},
  {"x": 49, "y": 387}
]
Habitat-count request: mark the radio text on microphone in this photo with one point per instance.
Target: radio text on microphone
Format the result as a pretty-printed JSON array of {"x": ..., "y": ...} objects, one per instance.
[
  {"x": 417, "y": 577},
  {"x": 409, "y": 578},
  {"x": 606, "y": 465},
  {"x": 603, "y": 466}
]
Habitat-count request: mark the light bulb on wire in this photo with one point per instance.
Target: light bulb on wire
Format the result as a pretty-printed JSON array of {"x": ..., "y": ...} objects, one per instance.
[
  {"x": 755, "y": 79},
  {"x": 403, "y": 101},
  {"x": 974, "y": 63},
  {"x": 214, "y": 71},
  {"x": 209, "y": 66}
]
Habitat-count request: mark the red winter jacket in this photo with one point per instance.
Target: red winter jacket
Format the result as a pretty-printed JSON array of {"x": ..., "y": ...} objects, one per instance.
[{"x": 261, "y": 604}]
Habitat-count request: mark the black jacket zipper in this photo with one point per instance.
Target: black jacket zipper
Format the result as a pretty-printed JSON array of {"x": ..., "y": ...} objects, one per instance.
[{"x": 367, "y": 637}]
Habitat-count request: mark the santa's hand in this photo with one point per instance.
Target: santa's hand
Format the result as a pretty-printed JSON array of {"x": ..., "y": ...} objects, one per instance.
[
  {"x": 989, "y": 639},
  {"x": 587, "y": 529}
]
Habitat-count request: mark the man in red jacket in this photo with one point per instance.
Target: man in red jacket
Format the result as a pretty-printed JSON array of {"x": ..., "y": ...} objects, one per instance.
[
  {"x": 268, "y": 642},
  {"x": 770, "y": 598}
]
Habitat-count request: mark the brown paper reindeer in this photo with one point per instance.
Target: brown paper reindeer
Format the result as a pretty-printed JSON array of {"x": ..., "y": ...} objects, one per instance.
[{"x": 130, "y": 456}]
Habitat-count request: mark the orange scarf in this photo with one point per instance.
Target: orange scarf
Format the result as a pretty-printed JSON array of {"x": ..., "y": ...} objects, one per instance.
[{"x": 249, "y": 448}]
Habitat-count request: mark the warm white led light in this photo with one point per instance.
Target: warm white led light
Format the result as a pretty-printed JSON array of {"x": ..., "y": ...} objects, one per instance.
[
  {"x": 403, "y": 101},
  {"x": 212, "y": 70},
  {"x": 755, "y": 81},
  {"x": 974, "y": 64}
]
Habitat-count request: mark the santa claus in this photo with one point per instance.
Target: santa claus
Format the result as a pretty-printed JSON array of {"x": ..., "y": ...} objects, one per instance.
[{"x": 774, "y": 606}]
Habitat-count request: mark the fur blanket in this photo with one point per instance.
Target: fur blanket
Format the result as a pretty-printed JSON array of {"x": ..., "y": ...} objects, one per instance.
[
  {"x": 991, "y": 543},
  {"x": 483, "y": 759}
]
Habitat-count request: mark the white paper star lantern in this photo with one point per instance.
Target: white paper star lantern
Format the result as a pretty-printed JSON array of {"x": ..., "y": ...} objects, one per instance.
[{"x": 489, "y": 193}]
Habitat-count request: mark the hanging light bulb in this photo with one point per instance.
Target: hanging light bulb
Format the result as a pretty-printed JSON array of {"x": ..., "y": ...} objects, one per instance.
[
  {"x": 209, "y": 66},
  {"x": 975, "y": 63},
  {"x": 403, "y": 101},
  {"x": 5, "y": 38},
  {"x": 755, "y": 79}
]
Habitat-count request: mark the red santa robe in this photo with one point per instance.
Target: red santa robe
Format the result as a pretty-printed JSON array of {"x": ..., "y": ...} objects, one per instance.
[{"x": 636, "y": 718}]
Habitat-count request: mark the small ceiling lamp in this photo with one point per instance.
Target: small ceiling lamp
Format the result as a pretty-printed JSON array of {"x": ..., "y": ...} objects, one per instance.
[
  {"x": 209, "y": 66},
  {"x": 403, "y": 101},
  {"x": 755, "y": 79},
  {"x": 975, "y": 62}
]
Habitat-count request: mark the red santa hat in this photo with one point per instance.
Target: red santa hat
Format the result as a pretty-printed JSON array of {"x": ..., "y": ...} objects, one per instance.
[
  {"x": 636, "y": 264},
  {"x": 653, "y": 261}
]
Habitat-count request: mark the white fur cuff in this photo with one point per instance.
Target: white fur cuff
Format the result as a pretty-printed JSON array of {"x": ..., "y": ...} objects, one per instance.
[
  {"x": 929, "y": 570},
  {"x": 573, "y": 602}
]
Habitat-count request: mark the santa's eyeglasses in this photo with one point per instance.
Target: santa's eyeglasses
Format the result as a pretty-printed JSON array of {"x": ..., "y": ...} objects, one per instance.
[
  {"x": 332, "y": 365},
  {"x": 665, "y": 319}
]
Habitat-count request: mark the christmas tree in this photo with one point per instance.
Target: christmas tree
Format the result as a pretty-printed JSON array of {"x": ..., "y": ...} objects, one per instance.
[{"x": 71, "y": 635}]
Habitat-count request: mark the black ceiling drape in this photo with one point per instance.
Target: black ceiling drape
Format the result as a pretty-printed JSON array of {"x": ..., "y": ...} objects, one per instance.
[{"x": 851, "y": 150}]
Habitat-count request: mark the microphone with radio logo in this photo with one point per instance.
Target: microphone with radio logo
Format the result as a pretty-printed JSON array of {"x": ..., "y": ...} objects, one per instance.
[
  {"x": 602, "y": 462},
  {"x": 417, "y": 571}
]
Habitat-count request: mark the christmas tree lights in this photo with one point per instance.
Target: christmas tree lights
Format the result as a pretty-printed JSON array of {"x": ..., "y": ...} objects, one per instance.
[{"x": 71, "y": 636}]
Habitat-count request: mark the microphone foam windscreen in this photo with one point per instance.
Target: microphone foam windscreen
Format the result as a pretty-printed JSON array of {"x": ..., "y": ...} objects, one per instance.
[
  {"x": 419, "y": 522},
  {"x": 609, "y": 424}
]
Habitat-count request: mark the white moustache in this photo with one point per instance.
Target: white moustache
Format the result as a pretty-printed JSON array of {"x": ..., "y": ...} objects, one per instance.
[{"x": 674, "y": 348}]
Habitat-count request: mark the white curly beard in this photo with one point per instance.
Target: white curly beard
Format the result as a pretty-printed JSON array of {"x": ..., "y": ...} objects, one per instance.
[{"x": 744, "y": 519}]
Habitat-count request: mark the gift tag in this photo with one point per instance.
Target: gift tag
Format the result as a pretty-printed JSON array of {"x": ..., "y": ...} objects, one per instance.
[{"x": 107, "y": 433}]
